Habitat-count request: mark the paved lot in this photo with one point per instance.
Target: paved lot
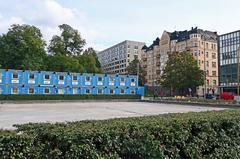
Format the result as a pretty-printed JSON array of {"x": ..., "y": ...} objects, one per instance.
[{"x": 59, "y": 112}]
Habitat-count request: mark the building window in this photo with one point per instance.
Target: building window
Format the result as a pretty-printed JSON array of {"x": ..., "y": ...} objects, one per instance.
[
  {"x": 122, "y": 91},
  {"x": 122, "y": 80},
  {"x": 100, "y": 79},
  {"x": 111, "y": 91},
  {"x": 87, "y": 91},
  {"x": 214, "y": 82},
  {"x": 208, "y": 82},
  {"x": 31, "y": 91},
  {"x": 136, "y": 47},
  {"x": 100, "y": 91},
  {"x": 31, "y": 76},
  {"x": 46, "y": 91},
  {"x": 46, "y": 77},
  {"x": 111, "y": 79},
  {"x": 206, "y": 54},
  {"x": 75, "y": 78},
  {"x": 214, "y": 64},
  {"x": 132, "y": 92},
  {"x": 15, "y": 91},
  {"x": 60, "y": 91},
  {"x": 214, "y": 55},
  {"x": 214, "y": 73},
  {"x": 61, "y": 77},
  {"x": 75, "y": 91},
  {"x": 15, "y": 75},
  {"x": 87, "y": 79}
]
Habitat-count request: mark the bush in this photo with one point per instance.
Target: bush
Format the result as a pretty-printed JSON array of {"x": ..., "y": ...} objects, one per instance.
[
  {"x": 67, "y": 97},
  {"x": 214, "y": 134}
]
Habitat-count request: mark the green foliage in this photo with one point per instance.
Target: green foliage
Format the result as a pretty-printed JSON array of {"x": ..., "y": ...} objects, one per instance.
[
  {"x": 134, "y": 68},
  {"x": 69, "y": 43},
  {"x": 182, "y": 72},
  {"x": 22, "y": 47},
  {"x": 214, "y": 134},
  {"x": 66, "y": 97}
]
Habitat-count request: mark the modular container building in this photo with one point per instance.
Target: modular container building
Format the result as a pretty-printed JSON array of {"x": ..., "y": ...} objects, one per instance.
[{"x": 43, "y": 82}]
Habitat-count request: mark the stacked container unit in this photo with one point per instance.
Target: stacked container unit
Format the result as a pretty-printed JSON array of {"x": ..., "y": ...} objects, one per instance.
[{"x": 42, "y": 82}]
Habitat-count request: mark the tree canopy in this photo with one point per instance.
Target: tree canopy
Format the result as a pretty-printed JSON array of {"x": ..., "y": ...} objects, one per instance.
[
  {"x": 182, "y": 72},
  {"x": 22, "y": 47},
  {"x": 134, "y": 68}
]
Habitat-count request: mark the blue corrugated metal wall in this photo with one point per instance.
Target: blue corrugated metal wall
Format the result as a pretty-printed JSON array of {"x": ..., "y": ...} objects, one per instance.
[{"x": 42, "y": 82}]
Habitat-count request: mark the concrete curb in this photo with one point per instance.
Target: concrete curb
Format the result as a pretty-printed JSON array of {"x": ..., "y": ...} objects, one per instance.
[{"x": 216, "y": 105}]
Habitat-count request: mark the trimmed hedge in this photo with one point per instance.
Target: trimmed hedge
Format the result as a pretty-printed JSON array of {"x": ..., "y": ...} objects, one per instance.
[
  {"x": 214, "y": 134},
  {"x": 67, "y": 97}
]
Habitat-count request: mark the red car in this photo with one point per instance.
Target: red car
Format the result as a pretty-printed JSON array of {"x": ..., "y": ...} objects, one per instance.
[{"x": 227, "y": 95}]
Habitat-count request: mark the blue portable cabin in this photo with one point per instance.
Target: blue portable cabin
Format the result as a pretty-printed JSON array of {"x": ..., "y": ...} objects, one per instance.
[
  {"x": 30, "y": 77},
  {"x": 110, "y": 80},
  {"x": 132, "y": 81},
  {"x": 46, "y": 78},
  {"x": 99, "y": 80},
  {"x": 47, "y": 90},
  {"x": 14, "y": 89},
  {"x": 62, "y": 79},
  {"x": 3, "y": 76},
  {"x": 87, "y": 79},
  {"x": 14, "y": 77},
  {"x": 31, "y": 89},
  {"x": 121, "y": 80},
  {"x": 75, "y": 79}
]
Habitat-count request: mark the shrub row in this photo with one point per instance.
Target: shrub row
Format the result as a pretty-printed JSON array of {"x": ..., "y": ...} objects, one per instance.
[
  {"x": 67, "y": 97},
  {"x": 214, "y": 134}
]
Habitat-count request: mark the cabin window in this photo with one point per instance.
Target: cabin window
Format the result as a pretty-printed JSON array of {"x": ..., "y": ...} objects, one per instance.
[
  {"x": 61, "y": 77},
  {"x": 47, "y": 77},
  {"x": 31, "y": 91},
  {"x": 15, "y": 91},
  {"x": 122, "y": 91},
  {"x": 87, "y": 91},
  {"x": 46, "y": 90},
  {"x": 75, "y": 78},
  {"x": 15, "y": 75},
  {"x": 31, "y": 76},
  {"x": 88, "y": 79},
  {"x": 100, "y": 91},
  {"x": 111, "y": 91}
]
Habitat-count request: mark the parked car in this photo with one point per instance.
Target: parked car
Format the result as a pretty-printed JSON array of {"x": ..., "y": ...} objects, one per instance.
[
  {"x": 212, "y": 96},
  {"x": 227, "y": 95}
]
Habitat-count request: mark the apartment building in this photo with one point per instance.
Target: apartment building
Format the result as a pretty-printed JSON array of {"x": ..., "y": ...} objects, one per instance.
[
  {"x": 228, "y": 53},
  {"x": 116, "y": 59},
  {"x": 204, "y": 47},
  {"x": 150, "y": 61}
]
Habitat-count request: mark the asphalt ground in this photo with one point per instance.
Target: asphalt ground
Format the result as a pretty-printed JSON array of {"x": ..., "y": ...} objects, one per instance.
[{"x": 12, "y": 113}]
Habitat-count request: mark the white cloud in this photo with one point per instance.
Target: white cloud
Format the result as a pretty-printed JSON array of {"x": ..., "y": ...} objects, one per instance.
[{"x": 47, "y": 15}]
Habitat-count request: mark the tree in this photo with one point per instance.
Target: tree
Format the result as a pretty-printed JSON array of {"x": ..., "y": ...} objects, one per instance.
[
  {"x": 134, "y": 68},
  {"x": 182, "y": 72},
  {"x": 69, "y": 43},
  {"x": 22, "y": 47}
]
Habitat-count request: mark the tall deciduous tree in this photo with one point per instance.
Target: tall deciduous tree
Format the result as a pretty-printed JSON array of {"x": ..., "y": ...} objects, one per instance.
[
  {"x": 22, "y": 47},
  {"x": 134, "y": 68},
  {"x": 69, "y": 43},
  {"x": 182, "y": 72}
]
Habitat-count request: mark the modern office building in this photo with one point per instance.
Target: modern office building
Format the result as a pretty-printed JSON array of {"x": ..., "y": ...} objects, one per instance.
[
  {"x": 228, "y": 53},
  {"x": 202, "y": 44},
  {"x": 41, "y": 82},
  {"x": 116, "y": 59}
]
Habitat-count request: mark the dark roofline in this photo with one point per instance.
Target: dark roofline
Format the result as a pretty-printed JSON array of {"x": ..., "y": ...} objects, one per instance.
[{"x": 229, "y": 33}]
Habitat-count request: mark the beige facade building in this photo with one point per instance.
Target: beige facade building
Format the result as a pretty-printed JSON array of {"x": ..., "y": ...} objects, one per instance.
[
  {"x": 202, "y": 44},
  {"x": 117, "y": 58}
]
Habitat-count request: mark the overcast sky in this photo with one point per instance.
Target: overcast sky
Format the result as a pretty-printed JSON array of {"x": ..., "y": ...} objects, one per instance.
[{"x": 106, "y": 22}]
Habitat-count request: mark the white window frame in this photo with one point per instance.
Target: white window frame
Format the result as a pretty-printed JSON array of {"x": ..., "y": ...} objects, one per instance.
[
  {"x": 87, "y": 80},
  {"x": 15, "y": 74},
  {"x": 45, "y": 79},
  {"x": 132, "y": 91},
  {"x": 73, "y": 78},
  {"x": 29, "y": 91},
  {"x": 46, "y": 89},
  {"x": 61, "y": 76},
  {"x": 12, "y": 92},
  {"x": 60, "y": 90},
  {"x": 86, "y": 91},
  {"x": 30, "y": 75},
  {"x": 101, "y": 91},
  {"x": 101, "y": 79},
  {"x": 75, "y": 91},
  {"x": 112, "y": 92}
]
